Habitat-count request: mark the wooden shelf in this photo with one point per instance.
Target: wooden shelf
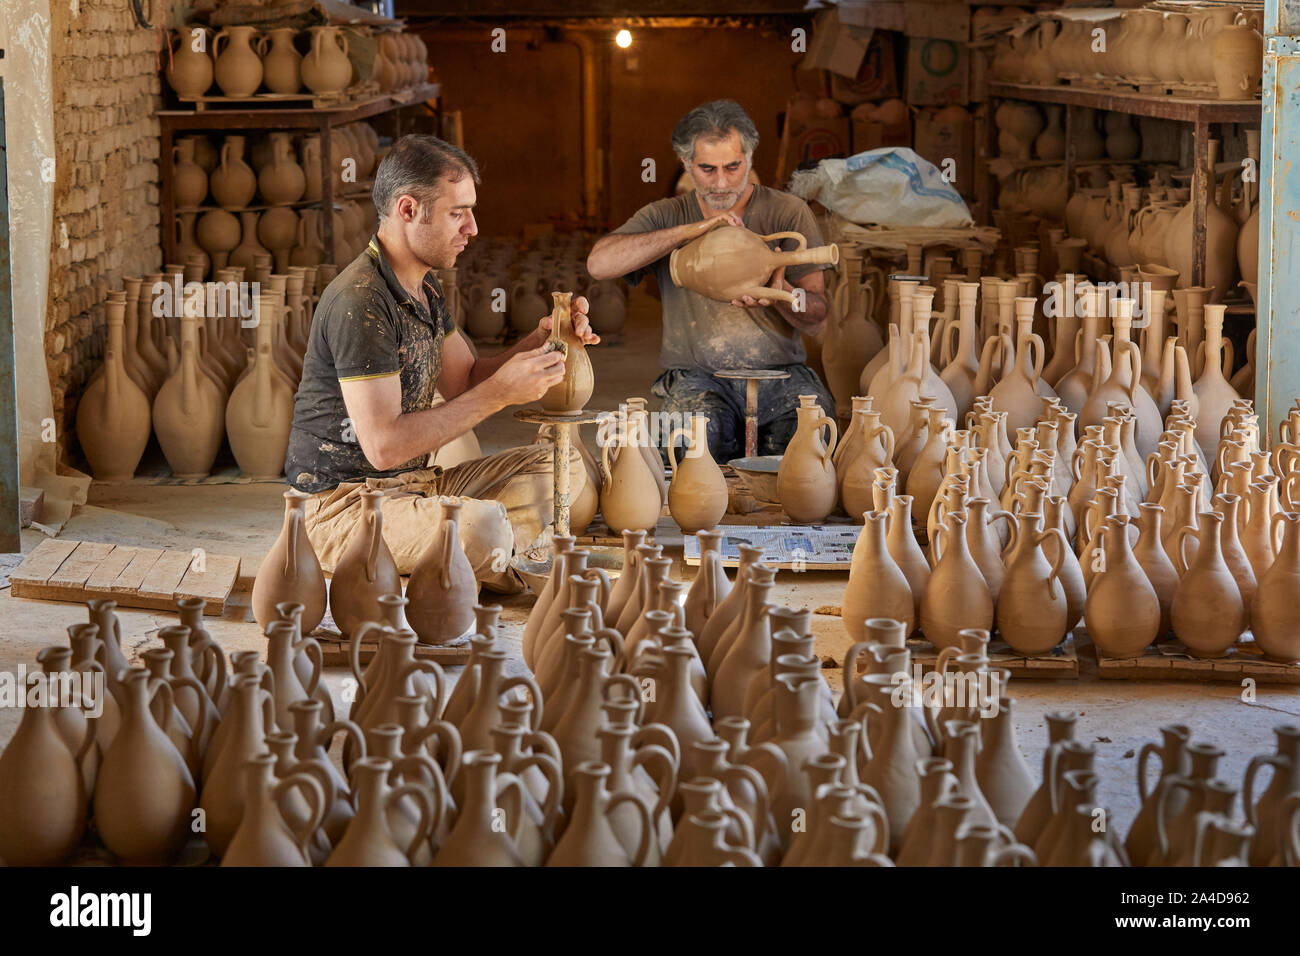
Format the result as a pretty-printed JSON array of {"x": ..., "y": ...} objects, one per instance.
[{"x": 1178, "y": 108}]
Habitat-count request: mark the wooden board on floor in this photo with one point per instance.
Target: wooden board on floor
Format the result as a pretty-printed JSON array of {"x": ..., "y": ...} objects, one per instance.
[
  {"x": 1170, "y": 661},
  {"x": 64, "y": 569},
  {"x": 335, "y": 652},
  {"x": 1061, "y": 664}
]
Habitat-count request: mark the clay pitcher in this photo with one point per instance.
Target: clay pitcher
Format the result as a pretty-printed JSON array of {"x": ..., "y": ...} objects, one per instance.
[
  {"x": 263, "y": 837},
  {"x": 1000, "y": 768},
  {"x": 1122, "y": 612},
  {"x": 113, "y": 416},
  {"x": 1268, "y": 815},
  {"x": 806, "y": 478},
  {"x": 562, "y": 545},
  {"x": 956, "y": 596},
  {"x": 250, "y": 718},
  {"x": 259, "y": 414},
  {"x": 144, "y": 794},
  {"x": 877, "y": 586},
  {"x": 630, "y": 498},
  {"x": 590, "y": 838},
  {"x": 290, "y": 572},
  {"x": 1032, "y": 608},
  {"x": 893, "y": 768},
  {"x": 1141, "y": 840},
  {"x": 729, "y": 262},
  {"x": 238, "y": 69},
  {"x": 365, "y": 572},
  {"x": 479, "y": 837},
  {"x": 189, "y": 411},
  {"x": 281, "y": 181},
  {"x": 1208, "y": 613},
  {"x": 189, "y": 66},
  {"x": 281, "y": 64},
  {"x": 697, "y": 496},
  {"x": 571, "y": 394},
  {"x": 327, "y": 69},
  {"x": 442, "y": 589},
  {"x": 710, "y": 587},
  {"x": 369, "y": 839},
  {"x": 1275, "y": 615}
]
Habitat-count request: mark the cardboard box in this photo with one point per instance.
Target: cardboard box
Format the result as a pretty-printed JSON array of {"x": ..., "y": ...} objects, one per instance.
[
  {"x": 817, "y": 139},
  {"x": 949, "y": 145},
  {"x": 938, "y": 72},
  {"x": 940, "y": 21},
  {"x": 835, "y": 46},
  {"x": 877, "y": 77}
]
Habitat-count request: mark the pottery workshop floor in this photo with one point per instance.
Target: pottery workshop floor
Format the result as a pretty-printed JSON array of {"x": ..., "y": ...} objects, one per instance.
[{"x": 1118, "y": 716}]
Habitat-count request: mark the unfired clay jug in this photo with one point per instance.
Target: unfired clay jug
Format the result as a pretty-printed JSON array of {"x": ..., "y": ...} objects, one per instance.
[
  {"x": 327, "y": 69},
  {"x": 238, "y": 69},
  {"x": 263, "y": 837},
  {"x": 956, "y": 596},
  {"x": 259, "y": 413},
  {"x": 281, "y": 64},
  {"x": 1122, "y": 611},
  {"x": 877, "y": 587},
  {"x": 571, "y": 394},
  {"x": 113, "y": 416},
  {"x": 1208, "y": 613},
  {"x": 1032, "y": 608},
  {"x": 1275, "y": 615},
  {"x": 697, "y": 495},
  {"x": 290, "y": 572},
  {"x": 282, "y": 180},
  {"x": 806, "y": 478},
  {"x": 630, "y": 498},
  {"x": 728, "y": 262},
  {"x": 365, "y": 571},
  {"x": 189, "y": 411},
  {"x": 442, "y": 589}
]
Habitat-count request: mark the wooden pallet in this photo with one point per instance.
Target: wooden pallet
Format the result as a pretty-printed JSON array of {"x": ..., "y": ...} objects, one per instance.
[
  {"x": 63, "y": 569},
  {"x": 1171, "y": 661},
  {"x": 1061, "y": 664},
  {"x": 336, "y": 652}
]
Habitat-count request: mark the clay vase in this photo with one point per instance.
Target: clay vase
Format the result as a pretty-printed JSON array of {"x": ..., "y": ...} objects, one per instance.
[
  {"x": 732, "y": 607},
  {"x": 1152, "y": 558},
  {"x": 1238, "y": 56},
  {"x": 478, "y": 837},
  {"x": 795, "y": 742},
  {"x": 1274, "y": 614},
  {"x": 259, "y": 413},
  {"x": 702, "y": 841},
  {"x": 189, "y": 411},
  {"x": 729, "y": 262},
  {"x": 1208, "y": 613},
  {"x": 710, "y": 586},
  {"x": 290, "y": 572},
  {"x": 630, "y": 498},
  {"x": 370, "y": 839},
  {"x": 238, "y": 70},
  {"x": 442, "y": 589},
  {"x": 281, "y": 63},
  {"x": 851, "y": 337},
  {"x": 113, "y": 416},
  {"x": 233, "y": 183},
  {"x": 263, "y": 837},
  {"x": 1032, "y": 607},
  {"x": 805, "y": 480},
  {"x": 893, "y": 770},
  {"x": 876, "y": 587},
  {"x": 1122, "y": 612},
  {"x": 590, "y": 839},
  {"x": 1141, "y": 840},
  {"x": 697, "y": 495},
  {"x": 189, "y": 181},
  {"x": 857, "y": 472},
  {"x": 1001, "y": 769},
  {"x": 43, "y": 799},
  {"x": 251, "y": 716},
  {"x": 562, "y": 545},
  {"x": 189, "y": 66},
  {"x": 327, "y": 69},
  {"x": 571, "y": 394},
  {"x": 144, "y": 793},
  {"x": 1269, "y": 815},
  {"x": 1214, "y": 395},
  {"x": 282, "y": 180},
  {"x": 1017, "y": 393},
  {"x": 748, "y": 655},
  {"x": 956, "y": 596},
  {"x": 365, "y": 572}
]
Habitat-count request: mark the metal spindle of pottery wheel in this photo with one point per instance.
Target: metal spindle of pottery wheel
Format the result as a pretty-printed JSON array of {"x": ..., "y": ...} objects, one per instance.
[{"x": 560, "y": 457}]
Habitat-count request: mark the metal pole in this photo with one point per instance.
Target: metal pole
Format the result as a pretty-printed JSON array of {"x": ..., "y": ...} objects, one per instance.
[{"x": 563, "y": 448}]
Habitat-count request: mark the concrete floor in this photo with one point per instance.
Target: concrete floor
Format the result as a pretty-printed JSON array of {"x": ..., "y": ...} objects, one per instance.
[{"x": 244, "y": 520}]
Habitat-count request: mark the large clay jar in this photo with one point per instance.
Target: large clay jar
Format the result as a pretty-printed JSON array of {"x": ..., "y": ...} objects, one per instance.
[
  {"x": 113, "y": 416},
  {"x": 1032, "y": 608},
  {"x": 1220, "y": 238},
  {"x": 442, "y": 589},
  {"x": 697, "y": 496},
  {"x": 144, "y": 794},
  {"x": 1238, "y": 55},
  {"x": 189, "y": 411},
  {"x": 570, "y": 395},
  {"x": 189, "y": 66},
  {"x": 1275, "y": 613},
  {"x": 282, "y": 180},
  {"x": 956, "y": 596},
  {"x": 1208, "y": 613},
  {"x": 729, "y": 262},
  {"x": 806, "y": 478},
  {"x": 281, "y": 64},
  {"x": 365, "y": 572},
  {"x": 629, "y": 499},
  {"x": 189, "y": 181},
  {"x": 217, "y": 233},
  {"x": 327, "y": 69},
  {"x": 1122, "y": 611},
  {"x": 260, "y": 410},
  {"x": 238, "y": 69}
]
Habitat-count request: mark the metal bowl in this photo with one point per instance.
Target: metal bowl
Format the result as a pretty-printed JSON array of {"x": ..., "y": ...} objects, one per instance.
[
  {"x": 759, "y": 476},
  {"x": 535, "y": 571}
]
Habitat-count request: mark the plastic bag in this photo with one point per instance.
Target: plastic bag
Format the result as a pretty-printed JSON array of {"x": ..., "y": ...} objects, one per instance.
[{"x": 892, "y": 186}]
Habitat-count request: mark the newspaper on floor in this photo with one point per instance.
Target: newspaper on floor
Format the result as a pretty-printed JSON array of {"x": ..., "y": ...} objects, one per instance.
[{"x": 805, "y": 548}]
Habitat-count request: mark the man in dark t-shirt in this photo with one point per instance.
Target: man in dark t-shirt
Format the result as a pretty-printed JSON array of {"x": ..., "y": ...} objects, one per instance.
[
  {"x": 383, "y": 353},
  {"x": 701, "y": 336}
]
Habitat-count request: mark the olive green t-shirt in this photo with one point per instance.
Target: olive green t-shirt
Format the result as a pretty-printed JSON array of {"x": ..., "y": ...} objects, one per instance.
[{"x": 700, "y": 332}]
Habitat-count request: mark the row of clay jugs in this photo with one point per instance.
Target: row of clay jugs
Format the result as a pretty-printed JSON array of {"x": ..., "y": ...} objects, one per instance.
[
  {"x": 805, "y": 480},
  {"x": 697, "y": 495}
]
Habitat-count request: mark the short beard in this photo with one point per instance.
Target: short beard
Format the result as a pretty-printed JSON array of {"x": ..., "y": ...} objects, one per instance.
[{"x": 734, "y": 197}]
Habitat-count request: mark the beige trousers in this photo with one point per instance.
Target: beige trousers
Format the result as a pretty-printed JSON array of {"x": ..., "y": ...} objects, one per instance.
[{"x": 507, "y": 502}]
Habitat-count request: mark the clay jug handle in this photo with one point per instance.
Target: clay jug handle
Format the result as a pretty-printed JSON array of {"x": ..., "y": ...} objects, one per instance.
[
  {"x": 259, "y": 44},
  {"x": 859, "y": 715},
  {"x": 1055, "y": 577},
  {"x": 315, "y": 796},
  {"x": 1078, "y": 339},
  {"x": 605, "y": 469},
  {"x": 630, "y": 682},
  {"x": 326, "y": 737},
  {"x": 311, "y": 647},
  {"x": 1229, "y": 355},
  {"x": 662, "y": 736},
  {"x": 748, "y": 840},
  {"x": 672, "y": 446},
  {"x": 1167, "y": 786},
  {"x": 439, "y": 680},
  {"x": 666, "y": 782},
  {"x": 948, "y": 354},
  {"x": 167, "y": 706},
  {"x": 550, "y": 769},
  {"x": 92, "y": 726},
  {"x": 647, "y": 822},
  {"x": 342, "y": 39},
  {"x": 601, "y": 575},
  {"x": 1153, "y": 467},
  {"x": 1040, "y": 353},
  {"x": 449, "y": 740},
  {"x": 1135, "y": 366},
  {"x": 1276, "y": 761},
  {"x": 850, "y": 673},
  {"x": 534, "y": 691},
  {"x": 1051, "y": 758},
  {"x": 617, "y": 649},
  {"x": 739, "y": 772},
  {"x": 1289, "y": 814},
  {"x": 216, "y": 43},
  {"x": 290, "y": 570},
  {"x": 825, "y": 422},
  {"x": 1180, "y": 552},
  {"x": 1148, "y": 751},
  {"x": 354, "y": 654},
  {"x": 510, "y": 782},
  {"x": 430, "y": 815},
  {"x": 799, "y": 238},
  {"x": 1016, "y": 853}
]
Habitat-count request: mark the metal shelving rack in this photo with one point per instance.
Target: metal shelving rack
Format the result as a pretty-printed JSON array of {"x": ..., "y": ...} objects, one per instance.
[
  {"x": 1201, "y": 114},
  {"x": 322, "y": 120}
]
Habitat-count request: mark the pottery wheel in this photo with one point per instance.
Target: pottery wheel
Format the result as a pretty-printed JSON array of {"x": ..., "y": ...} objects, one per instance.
[
  {"x": 752, "y": 377},
  {"x": 560, "y": 456}
]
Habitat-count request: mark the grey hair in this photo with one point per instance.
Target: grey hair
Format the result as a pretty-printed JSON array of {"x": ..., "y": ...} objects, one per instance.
[
  {"x": 713, "y": 121},
  {"x": 415, "y": 166}
]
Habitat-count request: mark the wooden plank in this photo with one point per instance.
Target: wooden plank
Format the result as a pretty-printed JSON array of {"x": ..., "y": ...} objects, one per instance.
[
  {"x": 165, "y": 576},
  {"x": 80, "y": 564},
  {"x": 1170, "y": 661},
  {"x": 134, "y": 573},
  {"x": 102, "y": 578},
  {"x": 335, "y": 653},
  {"x": 44, "y": 560},
  {"x": 248, "y": 568},
  {"x": 214, "y": 583}
]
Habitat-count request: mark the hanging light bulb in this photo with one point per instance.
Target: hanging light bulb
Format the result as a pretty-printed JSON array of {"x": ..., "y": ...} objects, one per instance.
[{"x": 623, "y": 38}]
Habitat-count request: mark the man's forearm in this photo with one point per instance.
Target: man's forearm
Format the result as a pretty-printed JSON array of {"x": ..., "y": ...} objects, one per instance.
[
  {"x": 615, "y": 256},
  {"x": 484, "y": 368},
  {"x": 416, "y": 434},
  {"x": 808, "y": 319}
]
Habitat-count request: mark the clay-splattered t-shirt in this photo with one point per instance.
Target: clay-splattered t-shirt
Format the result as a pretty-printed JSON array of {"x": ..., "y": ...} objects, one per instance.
[
  {"x": 365, "y": 326},
  {"x": 702, "y": 333}
]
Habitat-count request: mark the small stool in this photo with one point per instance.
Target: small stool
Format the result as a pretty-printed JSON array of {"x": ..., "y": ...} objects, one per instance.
[
  {"x": 752, "y": 377},
  {"x": 560, "y": 456}
]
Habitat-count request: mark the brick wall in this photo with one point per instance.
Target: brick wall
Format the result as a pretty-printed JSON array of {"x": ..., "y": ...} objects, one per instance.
[{"x": 106, "y": 90}]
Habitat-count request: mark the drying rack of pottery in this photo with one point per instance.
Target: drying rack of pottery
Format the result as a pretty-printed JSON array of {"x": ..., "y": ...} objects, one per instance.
[
  {"x": 580, "y": 764},
  {"x": 503, "y": 290},
  {"x": 227, "y": 210},
  {"x": 180, "y": 363},
  {"x": 281, "y": 66},
  {"x": 1136, "y": 481}
]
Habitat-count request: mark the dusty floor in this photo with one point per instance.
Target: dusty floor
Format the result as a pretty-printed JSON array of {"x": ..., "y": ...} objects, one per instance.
[{"x": 244, "y": 520}]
